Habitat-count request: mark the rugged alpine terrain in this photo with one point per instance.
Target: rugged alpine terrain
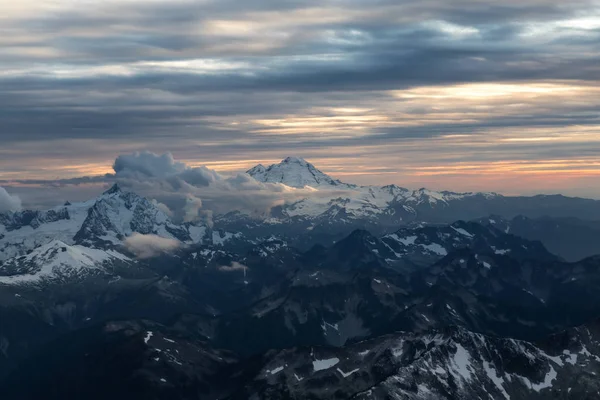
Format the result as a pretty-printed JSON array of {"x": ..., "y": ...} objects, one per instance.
[
  {"x": 102, "y": 222},
  {"x": 139, "y": 359},
  {"x": 351, "y": 292},
  {"x": 571, "y": 238},
  {"x": 335, "y": 208}
]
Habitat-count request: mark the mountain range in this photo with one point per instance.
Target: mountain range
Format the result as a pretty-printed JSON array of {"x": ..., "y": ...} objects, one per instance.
[{"x": 348, "y": 292}]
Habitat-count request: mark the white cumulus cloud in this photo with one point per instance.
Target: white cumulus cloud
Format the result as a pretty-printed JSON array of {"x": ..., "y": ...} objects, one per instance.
[{"x": 148, "y": 246}]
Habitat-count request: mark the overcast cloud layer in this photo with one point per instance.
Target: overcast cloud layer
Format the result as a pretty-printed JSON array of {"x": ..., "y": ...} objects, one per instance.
[{"x": 459, "y": 95}]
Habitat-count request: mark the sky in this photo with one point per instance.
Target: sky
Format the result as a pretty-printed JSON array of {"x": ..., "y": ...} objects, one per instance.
[{"x": 459, "y": 95}]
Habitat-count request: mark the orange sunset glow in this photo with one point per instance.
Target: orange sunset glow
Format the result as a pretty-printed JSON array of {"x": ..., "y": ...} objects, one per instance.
[{"x": 410, "y": 94}]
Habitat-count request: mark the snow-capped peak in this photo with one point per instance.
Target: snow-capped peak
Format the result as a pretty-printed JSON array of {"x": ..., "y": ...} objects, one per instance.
[
  {"x": 349, "y": 201},
  {"x": 115, "y": 188},
  {"x": 295, "y": 160},
  {"x": 257, "y": 170},
  {"x": 293, "y": 171},
  {"x": 102, "y": 222},
  {"x": 56, "y": 260}
]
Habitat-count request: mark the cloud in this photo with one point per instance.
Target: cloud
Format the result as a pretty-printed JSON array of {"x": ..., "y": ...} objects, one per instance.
[
  {"x": 234, "y": 266},
  {"x": 163, "y": 208},
  {"x": 224, "y": 81},
  {"x": 148, "y": 164},
  {"x": 148, "y": 246},
  {"x": 173, "y": 184},
  {"x": 9, "y": 202},
  {"x": 197, "y": 193},
  {"x": 191, "y": 209},
  {"x": 185, "y": 193}
]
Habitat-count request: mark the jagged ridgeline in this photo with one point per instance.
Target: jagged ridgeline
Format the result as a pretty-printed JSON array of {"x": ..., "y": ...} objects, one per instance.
[{"x": 347, "y": 292}]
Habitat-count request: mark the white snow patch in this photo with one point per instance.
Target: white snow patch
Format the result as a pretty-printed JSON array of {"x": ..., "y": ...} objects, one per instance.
[
  {"x": 219, "y": 240},
  {"x": 197, "y": 233},
  {"x": 398, "y": 350},
  {"x": 435, "y": 248},
  {"x": 149, "y": 334},
  {"x": 462, "y": 232},
  {"x": 584, "y": 351},
  {"x": 275, "y": 370},
  {"x": 347, "y": 374},
  {"x": 571, "y": 357},
  {"x": 440, "y": 371},
  {"x": 452, "y": 310},
  {"x": 407, "y": 241},
  {"x": 555, "y": 359},
  {"x": 327, "y": 324},
  {"x": 461, "y": 363},
  {"x": 319, "y": 365},
  {"x": 423, "y": 390},
  {"x": 547, "y": 383},
  {"x": 498, "y": 381}
]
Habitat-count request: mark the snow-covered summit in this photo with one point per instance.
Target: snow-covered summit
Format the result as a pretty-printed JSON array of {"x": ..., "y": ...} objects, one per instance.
[
  {"x": 115, "y": 188},
  {"x": 293, "y": 171},
  {"x": 56, "y": 260},
  {"x": 117, "y": 214},
  {"x": 102, "y": 222},
  {"x": 348, "y": 201}
]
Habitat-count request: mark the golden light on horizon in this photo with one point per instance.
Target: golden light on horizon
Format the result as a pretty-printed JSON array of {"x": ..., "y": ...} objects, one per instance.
[
  {"x": 490, "y": 90},
  {"x": 519, "y": 167},
  {"x": 469, "y": 133}
]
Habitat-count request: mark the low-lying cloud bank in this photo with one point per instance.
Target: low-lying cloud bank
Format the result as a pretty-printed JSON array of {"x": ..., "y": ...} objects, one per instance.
[
  {"x": 234, "y": 266},
  {"x": 193, "y": 193},
  {"x": 148, "y": 246},
  {"x": 185, "y": 193}
]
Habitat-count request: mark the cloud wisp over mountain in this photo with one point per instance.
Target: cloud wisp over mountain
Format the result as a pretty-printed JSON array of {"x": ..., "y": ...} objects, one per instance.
[
  {"x": 9, "y": 202},
  {"x": 483, "y": 96},
  {"x": 148, "y": 246},
  {"x": 184, "y": 192},
  {"x": 190, "y": 194}
]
